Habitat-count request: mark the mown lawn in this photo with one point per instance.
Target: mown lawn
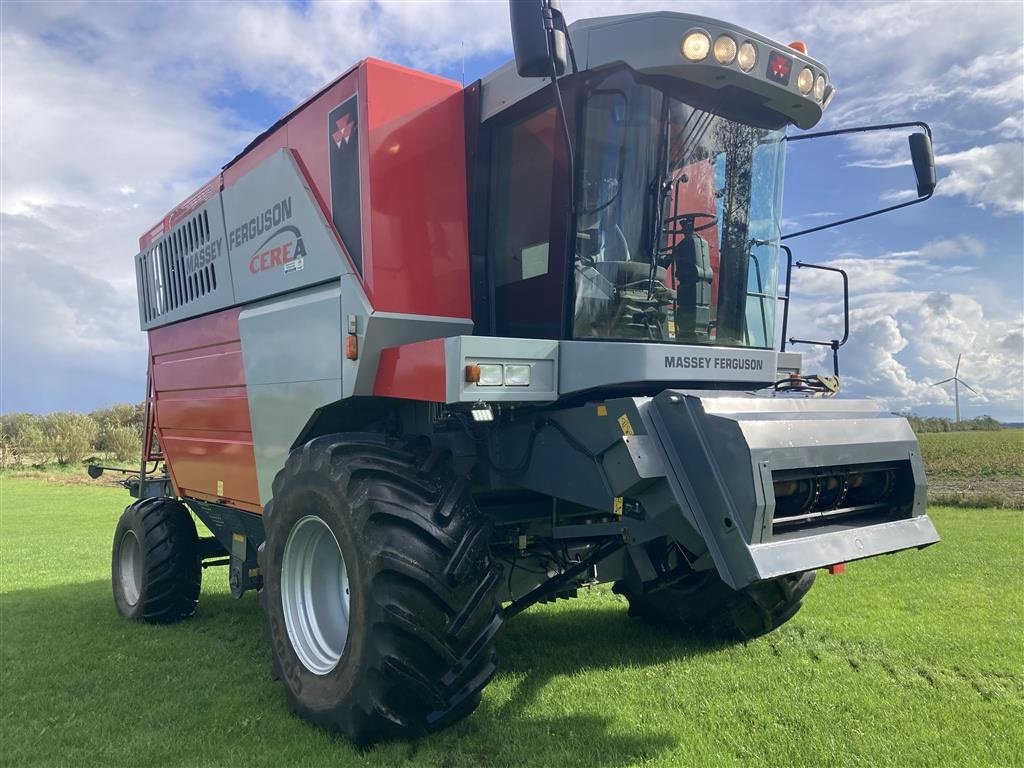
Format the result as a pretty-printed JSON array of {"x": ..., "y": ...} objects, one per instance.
[{"x": 914, "y": 659}]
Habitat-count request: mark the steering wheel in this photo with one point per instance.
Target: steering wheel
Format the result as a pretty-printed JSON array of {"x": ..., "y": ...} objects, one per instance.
[{"x": 692, "y": 218}]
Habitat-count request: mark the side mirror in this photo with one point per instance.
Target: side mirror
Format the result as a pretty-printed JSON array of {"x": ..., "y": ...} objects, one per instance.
[
  {"x": 921, "y": 154},
  {"x": 924, "y": 163},
  {"x": 538, "y": 37}
]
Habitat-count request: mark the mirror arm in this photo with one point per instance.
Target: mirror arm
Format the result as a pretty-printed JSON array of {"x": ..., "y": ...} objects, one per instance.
[
  {"x": 861, "y": 129},
  {"x": 857, "y": 218}
]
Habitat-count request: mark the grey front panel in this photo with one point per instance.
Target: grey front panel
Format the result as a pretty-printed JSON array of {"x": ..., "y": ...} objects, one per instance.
[
  {"x": 292, "y": 351},
  {"x": 377, "y": 331},
  {"x": 541, "y": 355},
  {"x": 587, "y": 365},
  {"x": 186, "y": 272},
  {"x": 278, "y": 239},
  {"x": 722, "y": 451}
]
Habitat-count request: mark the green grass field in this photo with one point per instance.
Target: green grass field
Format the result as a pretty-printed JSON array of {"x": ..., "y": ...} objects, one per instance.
[
  {"x": 974, "y": 454},
  {"x": 913, "y": 659}
]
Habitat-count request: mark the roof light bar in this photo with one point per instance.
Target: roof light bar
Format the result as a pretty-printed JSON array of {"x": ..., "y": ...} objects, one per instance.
[{"x": 697, "y": 47}]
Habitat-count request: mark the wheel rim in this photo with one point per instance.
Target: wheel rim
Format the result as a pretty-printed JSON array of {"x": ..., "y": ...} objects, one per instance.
[
  {"x": 129, "y": 561},
  {"x": 315, "y": 595}
]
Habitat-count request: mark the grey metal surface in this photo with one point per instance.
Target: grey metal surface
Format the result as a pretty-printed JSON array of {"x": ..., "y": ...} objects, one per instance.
[
  {"x": 699, "y": 467},
  {"x": 186, "y": 272},
  {"x": 315, "y": 596},
  {"x": 379, "y": 330},
  {"x": 781, "y": 557},
  {"x": 129, "y": 567},
  {"x": 720, "y": 449},
  {"x": 787, "y": 363},
  {"x": 292, "y": 352},
  {"x": 278, "y": 239},
  {"x": 587, "y": 365},
  {"x": 649, "y": 43},
  {"x": 540, "y": 354}
]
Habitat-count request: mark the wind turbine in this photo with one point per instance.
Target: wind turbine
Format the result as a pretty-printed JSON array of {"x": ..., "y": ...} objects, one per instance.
[{"x": 957, "y": 381}]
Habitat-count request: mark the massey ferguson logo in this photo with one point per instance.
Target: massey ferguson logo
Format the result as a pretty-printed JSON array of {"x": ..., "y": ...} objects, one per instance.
[
  {"x": 280, "y": 244},
  {"x": 718, "y": 363},
  {"x": 343, "y": 130},
  {"x": 284, "y": 248}
]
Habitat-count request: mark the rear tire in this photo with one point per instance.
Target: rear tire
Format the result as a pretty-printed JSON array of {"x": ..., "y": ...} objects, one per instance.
[
  {"x": 379, "y": 589},
  {"x": 155, "y": 565},
  {"x": 702, "y": 605}
]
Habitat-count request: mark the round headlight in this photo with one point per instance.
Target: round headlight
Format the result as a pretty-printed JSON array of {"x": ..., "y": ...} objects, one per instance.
[
  {"x": 696, "y": 45},
  {"x": 725, "y": 49},
  {"x": 747, "y": 56},
  {"x": 805, "y": 80},
  {"x": 819, "y": 88}
]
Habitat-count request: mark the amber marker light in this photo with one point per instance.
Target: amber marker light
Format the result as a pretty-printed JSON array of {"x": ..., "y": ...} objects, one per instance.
[{"x": 473, "y": 374}]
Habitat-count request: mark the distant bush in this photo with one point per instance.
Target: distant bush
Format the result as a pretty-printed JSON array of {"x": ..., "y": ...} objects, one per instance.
[
  {"x": 68, "y": 437},
  {"x": 941, "y": 424},
  {"x": 21, "y": 435},
  {"x": 117, "y": 416},
  {"x": 124, "y": 442}
]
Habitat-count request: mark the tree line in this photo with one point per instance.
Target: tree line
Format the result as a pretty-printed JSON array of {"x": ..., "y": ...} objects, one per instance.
[
  {"x": 942, "y": 424},
  {"x": 66, "y": 438}
]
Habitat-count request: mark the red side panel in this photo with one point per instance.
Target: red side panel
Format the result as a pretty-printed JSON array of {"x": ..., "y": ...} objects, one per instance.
[
  {"x": 417, "y": 259},
  {"x": 415, "y": 241},
  {"x": 202, "y": 413},
  {"x": 413, "y": 372}
]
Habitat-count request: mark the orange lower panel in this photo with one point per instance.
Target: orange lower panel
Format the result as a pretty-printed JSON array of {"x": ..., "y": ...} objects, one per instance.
[
  {"x": 201, "y": 410},
  {"x": 214, "y": 467}
]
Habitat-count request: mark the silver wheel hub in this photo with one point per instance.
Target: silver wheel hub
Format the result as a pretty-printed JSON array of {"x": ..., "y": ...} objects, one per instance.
[
  {"x": 315, "y": 595},
  {"x": 129, "y": 567}
]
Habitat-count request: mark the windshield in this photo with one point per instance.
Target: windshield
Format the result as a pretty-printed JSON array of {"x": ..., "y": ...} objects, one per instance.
[{"x": 677, "y": 221}]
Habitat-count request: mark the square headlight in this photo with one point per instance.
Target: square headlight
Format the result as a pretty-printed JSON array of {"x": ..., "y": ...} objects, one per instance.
[
  {"x": 490, "y": 375},
  {"x": 517, "y": 375}
]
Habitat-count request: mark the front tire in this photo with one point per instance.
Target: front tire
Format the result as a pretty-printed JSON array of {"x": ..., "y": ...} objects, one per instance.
[
  {"x": 156, "y": 570},
  {"x": 701, "y": 605},
  {"x": 379, "y": 589}
]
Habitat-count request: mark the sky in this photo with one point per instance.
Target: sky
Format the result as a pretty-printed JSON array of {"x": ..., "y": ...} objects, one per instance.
[{"x": 111, "y": 114}]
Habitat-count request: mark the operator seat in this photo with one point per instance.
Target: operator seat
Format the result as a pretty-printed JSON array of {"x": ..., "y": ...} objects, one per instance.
[{"x": 691, "y": 260}]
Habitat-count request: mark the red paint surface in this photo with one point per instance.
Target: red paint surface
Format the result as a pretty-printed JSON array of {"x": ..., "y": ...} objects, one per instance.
[
  {"x": 412, "y": 182},
  {"x": 412, "y": 372},
  {"x": 415, "y": 230},
  {"x": 182, "y": 210},
  {"x": 201, "y": 409}
]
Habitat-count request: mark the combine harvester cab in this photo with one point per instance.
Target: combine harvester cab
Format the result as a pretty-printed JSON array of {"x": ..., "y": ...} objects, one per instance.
[{"x": 423, "y": 356}]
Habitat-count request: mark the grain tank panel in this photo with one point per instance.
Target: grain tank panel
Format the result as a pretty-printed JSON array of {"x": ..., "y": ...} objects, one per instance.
[{"x": 202, "y": 411}]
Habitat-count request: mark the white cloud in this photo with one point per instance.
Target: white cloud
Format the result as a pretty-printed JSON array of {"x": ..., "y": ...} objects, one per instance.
[
  {"x": 991, "y": 176},
  {"x": 1012, "y": 127}
]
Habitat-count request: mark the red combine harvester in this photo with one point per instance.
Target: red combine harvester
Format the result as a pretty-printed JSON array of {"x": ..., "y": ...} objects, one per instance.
[{"x": 422, "y": 356}]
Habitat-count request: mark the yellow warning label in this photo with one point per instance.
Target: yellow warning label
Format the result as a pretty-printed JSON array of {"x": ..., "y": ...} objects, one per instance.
[
  {"x": 624, "y": 425},
  {"x": 617, "y": 506},
  {"x": 238, "y": 537},
  {"x": 220, "y": 487},
  {"x": 602, "y": 410}
]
